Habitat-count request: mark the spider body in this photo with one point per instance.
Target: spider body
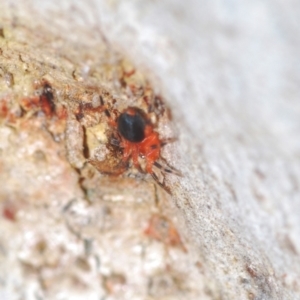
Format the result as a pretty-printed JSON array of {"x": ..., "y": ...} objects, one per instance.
[{"x": 138, "y": 137}]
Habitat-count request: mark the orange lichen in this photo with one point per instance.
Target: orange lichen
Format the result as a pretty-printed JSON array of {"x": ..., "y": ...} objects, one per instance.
[
  {"x": 43, "y": 102},
  {"x": 9, "y": 212},
  {"x": 162, "y": 229},
  {"x": 114, "y": 283},
  {"x": 6, "y": 113},
  {"x": 3, "y": 108}
]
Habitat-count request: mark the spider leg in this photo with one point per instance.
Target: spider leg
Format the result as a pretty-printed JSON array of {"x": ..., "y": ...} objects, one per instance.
[
  {"x": 89, "y": 107},
  {"x": 169, "y": 168},
  {"x": 135, "y": 160},
  {"x": 111, "y": 121},
  {"x": 127, "y": 150},
  {"x": 107, "y": 113},
  {"x": 167, "y": 141},
  {"x": 161, "y": 184},
  {"x": 115, "y": 142}
]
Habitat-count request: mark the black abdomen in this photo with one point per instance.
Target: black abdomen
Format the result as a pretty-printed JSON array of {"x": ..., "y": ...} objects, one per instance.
[{"x": 131, "y": 125}]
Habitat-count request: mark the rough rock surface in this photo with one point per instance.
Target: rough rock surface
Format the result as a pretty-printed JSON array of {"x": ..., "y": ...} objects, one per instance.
[{"x": 229, "y": 73}]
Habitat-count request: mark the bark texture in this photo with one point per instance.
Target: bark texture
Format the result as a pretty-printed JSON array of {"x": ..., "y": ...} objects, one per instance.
[{"x": 230, "y": 73}]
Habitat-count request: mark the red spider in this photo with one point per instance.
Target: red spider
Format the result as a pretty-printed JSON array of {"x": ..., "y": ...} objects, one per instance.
[{"x": 137, "y": 137}]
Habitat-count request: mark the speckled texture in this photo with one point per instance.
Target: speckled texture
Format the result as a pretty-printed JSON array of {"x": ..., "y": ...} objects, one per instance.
[
  {"x": 66, "y": 230},
  {"x": 230, "y": 73}
]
